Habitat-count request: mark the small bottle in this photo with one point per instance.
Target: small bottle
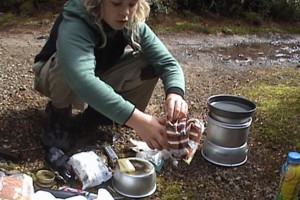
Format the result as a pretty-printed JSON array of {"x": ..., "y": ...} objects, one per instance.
[
  {"x": 290, "y": 178},
  {"x": 111, "y": 154}
]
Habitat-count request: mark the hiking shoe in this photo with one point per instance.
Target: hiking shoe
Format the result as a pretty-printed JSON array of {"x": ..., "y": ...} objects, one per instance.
[
  {"x": 90, "y": 120},
  {"x": 55, "y": 128}
]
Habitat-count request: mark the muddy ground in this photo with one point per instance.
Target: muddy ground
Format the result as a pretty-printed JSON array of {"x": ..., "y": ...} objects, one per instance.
[{"x": 213, "y": 64}]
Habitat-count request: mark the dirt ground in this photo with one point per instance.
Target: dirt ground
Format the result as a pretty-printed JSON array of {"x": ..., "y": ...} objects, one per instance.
[{"x": 208, "y": 71}]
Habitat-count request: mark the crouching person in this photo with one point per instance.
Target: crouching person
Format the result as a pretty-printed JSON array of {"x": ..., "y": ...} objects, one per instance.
[{"x": 103, "y": 58}]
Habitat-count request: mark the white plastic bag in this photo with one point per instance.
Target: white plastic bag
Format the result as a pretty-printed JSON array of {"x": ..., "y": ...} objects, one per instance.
[
  {"x": 103, "y": 194},
  {"x": 16, "y": 187},
  {"x": 89, "y": 169}
]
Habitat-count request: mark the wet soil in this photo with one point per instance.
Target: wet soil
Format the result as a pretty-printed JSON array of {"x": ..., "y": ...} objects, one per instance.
[{"x": 213, "y": 64}]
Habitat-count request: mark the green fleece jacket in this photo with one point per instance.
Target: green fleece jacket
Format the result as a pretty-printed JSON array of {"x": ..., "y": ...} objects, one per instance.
[{"x": 78, "y": 35}]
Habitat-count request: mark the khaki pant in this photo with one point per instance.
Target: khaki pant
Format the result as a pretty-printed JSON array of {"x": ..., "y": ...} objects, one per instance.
[{"x": 131, "y": 77}]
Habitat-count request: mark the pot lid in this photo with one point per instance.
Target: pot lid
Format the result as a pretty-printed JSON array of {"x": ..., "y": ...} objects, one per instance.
[{"x": 231, "y": 106}]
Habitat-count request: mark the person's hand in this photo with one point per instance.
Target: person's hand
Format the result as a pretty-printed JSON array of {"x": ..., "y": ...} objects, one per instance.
[
  {"x": 151, "y": 129},
  {"x": 175, "y": 107}
]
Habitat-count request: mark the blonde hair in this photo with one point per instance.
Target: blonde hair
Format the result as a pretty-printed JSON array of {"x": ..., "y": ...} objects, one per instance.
[{"x": 94, "y": 8}]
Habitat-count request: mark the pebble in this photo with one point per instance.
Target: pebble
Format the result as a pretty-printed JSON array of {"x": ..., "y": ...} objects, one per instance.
[{"x": 218, "y": 178}]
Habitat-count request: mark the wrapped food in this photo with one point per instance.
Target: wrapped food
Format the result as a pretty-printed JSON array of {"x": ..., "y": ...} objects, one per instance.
[
  {"x": 16, "y": 187},
  {"x": 184, "y": 136},
  {"x": 89, "y": 169}
]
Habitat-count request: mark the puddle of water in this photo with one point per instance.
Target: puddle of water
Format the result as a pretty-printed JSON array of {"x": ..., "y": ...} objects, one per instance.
[
  {"x": 258, "y": 53},
  {"x": 237, "y": 50}
]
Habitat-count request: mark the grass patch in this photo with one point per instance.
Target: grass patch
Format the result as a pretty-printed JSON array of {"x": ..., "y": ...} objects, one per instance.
[
  {"x": 184, "y": 21},
  {"x": 176, "y": 23},
  {"x": 293, "y": 29},
  {"x": 189, "y": 22},
  {"x": 6, "y": 18},
  {"x": 172, "y": 192},
  {"x": 193, "y": 27},
  {"x": 278, "y": 108},
  {"x": 9, "y": 20}
]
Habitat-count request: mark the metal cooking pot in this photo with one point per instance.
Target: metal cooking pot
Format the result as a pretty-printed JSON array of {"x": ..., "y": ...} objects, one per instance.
[
  {"x": 137, "y": 184},
  {"x": 229, "y": 120},
  {"x": 228, "y": 157},
  {"x": 230, "y": 109},
  {"x": 227, "y": 135}
]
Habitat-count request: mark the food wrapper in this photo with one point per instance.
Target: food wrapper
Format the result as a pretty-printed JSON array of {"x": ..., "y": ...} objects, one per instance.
[
  {"x": 16, "y": 187},
  {"x": 155, "y": 156},
  {"x": 90, "y": 169},
  {"x": 183, "y": 137}
]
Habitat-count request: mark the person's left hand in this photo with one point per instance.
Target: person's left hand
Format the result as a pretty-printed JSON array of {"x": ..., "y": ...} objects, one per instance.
[{"x": 175, "y": 107}]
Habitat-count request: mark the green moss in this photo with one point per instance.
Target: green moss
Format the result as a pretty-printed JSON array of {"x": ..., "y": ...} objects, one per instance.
[
  {"x": 27, "y": 6},
  {"x": 12, "y": 166},
  {"x": 250, "y": 16},
  {"x": 184, "y": 22},
  {"x": 191, "y": 27},
  {"x": 241, "y": 30},
  {"x": 172, "y": 192},
  {"x": 6, "y": 18},
  {"x": 293, "y": 29},
  {"x": 190, "y": 22},
  {"x": 278, "y": 108},
  {"x": 191, "y": 16}
]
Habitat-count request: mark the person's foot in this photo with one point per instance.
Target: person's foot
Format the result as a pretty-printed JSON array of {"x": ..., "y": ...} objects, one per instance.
[
  {"x": 55, "y": 128},
  {"x": 90, "y": 120}
]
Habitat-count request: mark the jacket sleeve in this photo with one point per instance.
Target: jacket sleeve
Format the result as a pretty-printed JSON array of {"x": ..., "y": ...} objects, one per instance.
[
  {"x": 165, "y": 65},
  {"x": 75, "y": 52}
]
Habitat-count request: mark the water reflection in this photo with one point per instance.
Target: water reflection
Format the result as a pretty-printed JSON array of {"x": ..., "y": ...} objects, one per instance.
[{"x": 274, "y": 52}]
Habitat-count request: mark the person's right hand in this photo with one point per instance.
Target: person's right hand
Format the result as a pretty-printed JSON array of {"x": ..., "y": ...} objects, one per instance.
[{"x": 151, "y": 129}]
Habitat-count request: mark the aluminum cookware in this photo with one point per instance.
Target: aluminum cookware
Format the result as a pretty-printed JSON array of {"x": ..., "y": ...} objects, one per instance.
[
  {"x": 230, "y": 109},
  {"x": 224, "y": 156},
  {"x": 137, "y": 184},
  {"x": 227, "y": 135}
]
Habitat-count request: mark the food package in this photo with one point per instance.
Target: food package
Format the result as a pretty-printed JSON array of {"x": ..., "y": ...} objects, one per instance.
[
  {"x": 16, "y": 187},
  {"x": 89, "y": 169},
  {"x": 156, "y": 157},
  {"x": 184, "y": 136}
]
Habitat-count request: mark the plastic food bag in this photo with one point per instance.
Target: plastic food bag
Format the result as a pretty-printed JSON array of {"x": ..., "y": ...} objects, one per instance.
[
  {"x": 16, "y": 187},
  {"x": 89, "y": 169},
  {"x": 155, "y": 156}
]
